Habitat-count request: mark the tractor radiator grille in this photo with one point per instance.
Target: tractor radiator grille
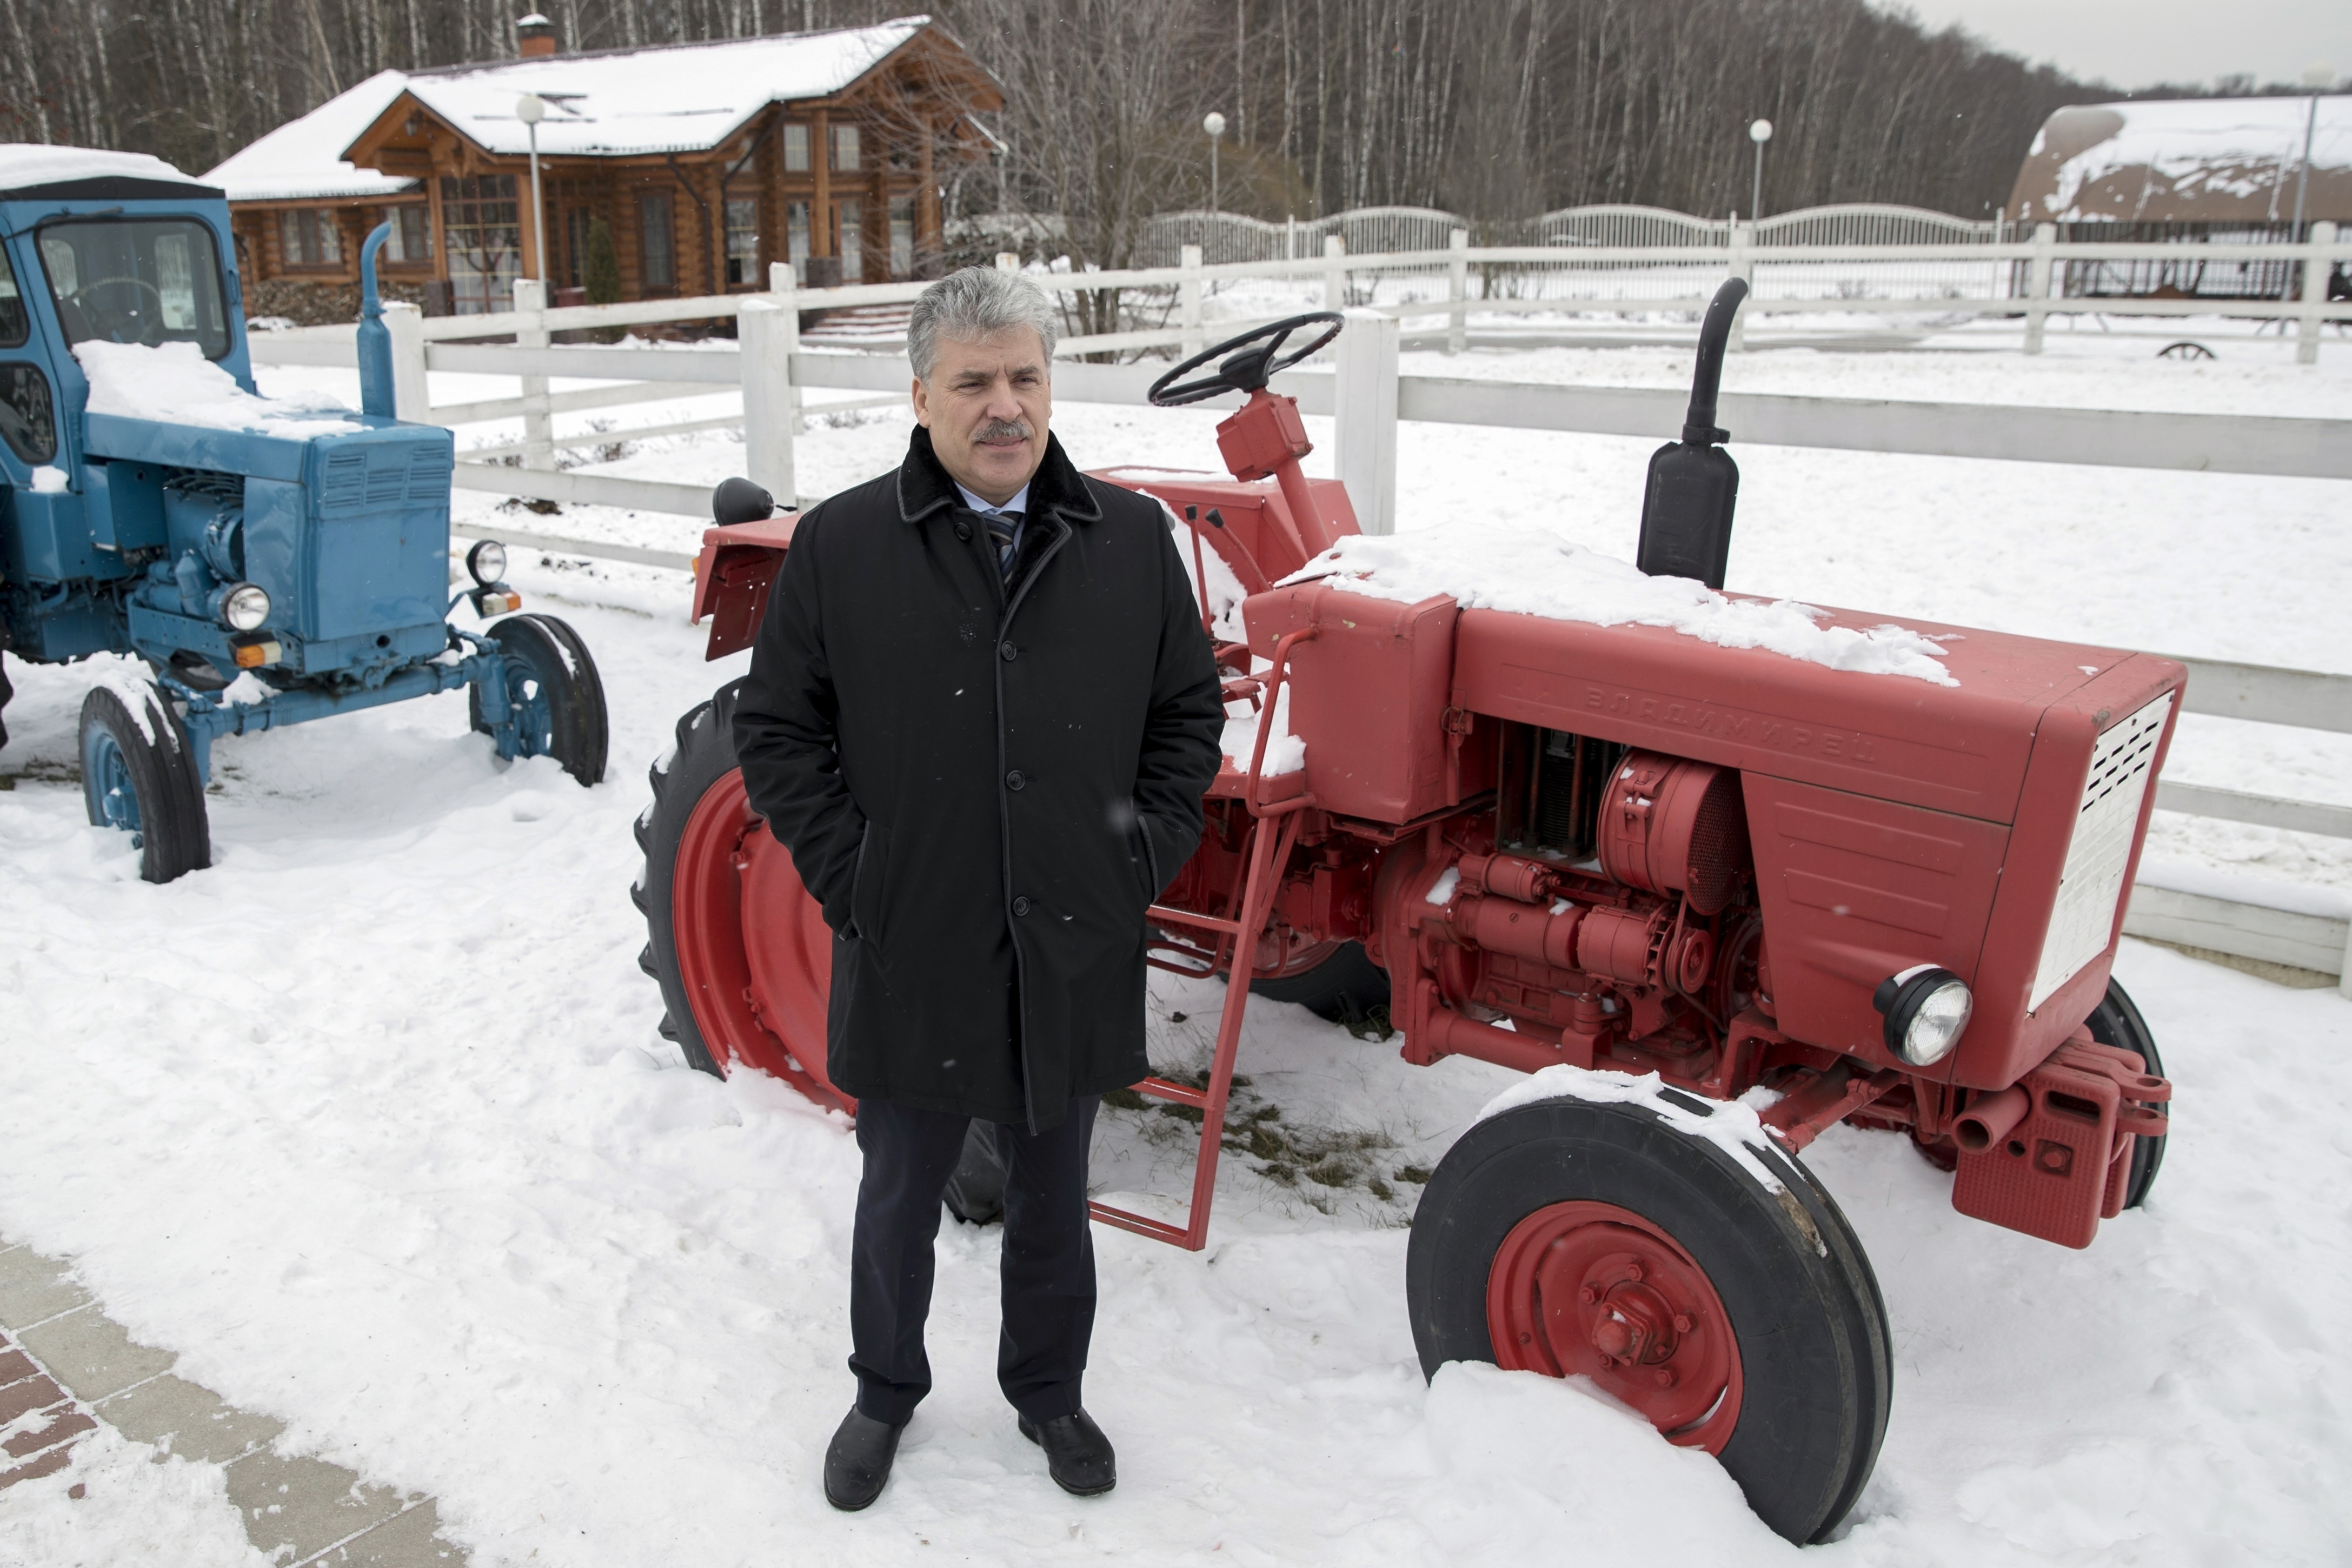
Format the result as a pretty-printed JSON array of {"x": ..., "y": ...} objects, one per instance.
[
  {"x": 2082, "y": 920},
  {"x": 373, "y": 478}
]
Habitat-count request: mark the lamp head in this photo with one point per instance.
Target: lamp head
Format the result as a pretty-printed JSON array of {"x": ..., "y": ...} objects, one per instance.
[
  {"x": 1761, "y": 131},
  {"x": 1215, "y": 123}
]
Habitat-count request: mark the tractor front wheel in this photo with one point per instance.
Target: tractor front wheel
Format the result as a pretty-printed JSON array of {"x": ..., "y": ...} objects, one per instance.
[
  {"x": 2117, "y": 1022},
  {"x": 1345, "y": 986},
  {"x": 138, "y": 774},
  {"x": 557, "y": 695},
  {"x": 1719, "y": 1295}
]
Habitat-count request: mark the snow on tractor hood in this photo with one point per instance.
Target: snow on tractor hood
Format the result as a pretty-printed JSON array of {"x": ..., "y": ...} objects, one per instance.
[
  {"x": 1532, "y": 572},
  {"x": 173, "y": 383}
]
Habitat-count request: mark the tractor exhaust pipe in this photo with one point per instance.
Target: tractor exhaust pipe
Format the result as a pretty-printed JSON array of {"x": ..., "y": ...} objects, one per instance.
[{"x": 1693, "y": 484}]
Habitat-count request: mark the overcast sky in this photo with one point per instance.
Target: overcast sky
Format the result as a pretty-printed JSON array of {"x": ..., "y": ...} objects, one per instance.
[{"x": 2137, "y": 43}]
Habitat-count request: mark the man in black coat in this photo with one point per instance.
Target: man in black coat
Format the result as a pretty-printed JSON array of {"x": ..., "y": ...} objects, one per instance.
[{"x": 980, "y": 714}]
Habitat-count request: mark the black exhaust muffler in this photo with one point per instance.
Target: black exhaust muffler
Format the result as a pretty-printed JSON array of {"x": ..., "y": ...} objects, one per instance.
[{"x": 1693, "y": 484}]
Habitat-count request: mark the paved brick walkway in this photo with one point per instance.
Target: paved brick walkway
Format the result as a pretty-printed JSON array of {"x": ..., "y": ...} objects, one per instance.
[{"x": 65, "y": 1366}]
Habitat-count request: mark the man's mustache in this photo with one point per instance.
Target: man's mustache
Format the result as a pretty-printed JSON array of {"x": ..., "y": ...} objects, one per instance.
[{"x": 1002, "y": 430}]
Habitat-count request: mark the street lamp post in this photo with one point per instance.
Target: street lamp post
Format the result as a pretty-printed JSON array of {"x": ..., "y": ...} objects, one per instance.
[
  {"x": 2319, "y": 78},
  {"x": 531, "y": 108},
  {"x": 1760, "y": 133},
  {"x": 1214, "y": 124}
]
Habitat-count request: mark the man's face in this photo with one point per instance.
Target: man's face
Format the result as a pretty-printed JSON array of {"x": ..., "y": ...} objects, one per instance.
[{"x": 986, "y": 406}]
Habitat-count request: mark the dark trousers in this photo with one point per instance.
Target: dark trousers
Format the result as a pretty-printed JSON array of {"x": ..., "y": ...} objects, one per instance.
[{"x": 1047, "y": 1270}]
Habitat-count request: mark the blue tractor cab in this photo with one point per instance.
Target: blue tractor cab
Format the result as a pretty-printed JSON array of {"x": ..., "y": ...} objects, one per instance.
[{"x": 270, "y": 565}]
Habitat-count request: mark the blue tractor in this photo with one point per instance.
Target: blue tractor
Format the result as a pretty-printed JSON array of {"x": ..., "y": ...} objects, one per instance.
[{"x": 268, "y": 570}]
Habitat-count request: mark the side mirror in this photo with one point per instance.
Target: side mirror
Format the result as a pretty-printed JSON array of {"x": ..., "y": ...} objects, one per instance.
[{"x": 739, "y": 501}]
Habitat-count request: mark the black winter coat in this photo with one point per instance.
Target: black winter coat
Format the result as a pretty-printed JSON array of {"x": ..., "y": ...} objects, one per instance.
[{"x": 985, "y": 787}]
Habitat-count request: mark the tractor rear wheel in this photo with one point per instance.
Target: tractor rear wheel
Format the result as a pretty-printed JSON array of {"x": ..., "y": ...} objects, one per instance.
[
  {"x": 742, "y": 951},
  {"x": 1344, "y": 988},
  {"x": 138, "y": 774},
  {"x": 551, "y": 681},
  {"x": 1724, "y": 1298},
  {"x": 2117, "y": 1022}
]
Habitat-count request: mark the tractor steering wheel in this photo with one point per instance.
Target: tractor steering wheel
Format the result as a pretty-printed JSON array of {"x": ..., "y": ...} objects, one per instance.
[
  {"x": 1248, "y": 368},
  {"x": 126, "y": 317}
]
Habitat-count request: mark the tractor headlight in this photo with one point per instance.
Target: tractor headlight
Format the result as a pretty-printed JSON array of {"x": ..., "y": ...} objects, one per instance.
[
  {"x": 486, "y": 562},
  {"x": 240, "y": 606},
  {"x": 1925, "y": 1008}
]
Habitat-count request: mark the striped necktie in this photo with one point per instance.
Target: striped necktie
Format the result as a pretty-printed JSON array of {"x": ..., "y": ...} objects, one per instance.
[{"x": 1004, "y": 529}]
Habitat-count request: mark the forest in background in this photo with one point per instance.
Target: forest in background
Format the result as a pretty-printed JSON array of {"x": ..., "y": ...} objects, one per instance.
[{"x": 1493, "y": 109}]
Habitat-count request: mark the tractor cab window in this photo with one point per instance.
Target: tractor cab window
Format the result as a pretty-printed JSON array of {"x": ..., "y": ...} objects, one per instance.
[
  {"x": 137, "y": 280},
  {"x": 27, "y": 416},
  {"x": 13, "y": 324}
]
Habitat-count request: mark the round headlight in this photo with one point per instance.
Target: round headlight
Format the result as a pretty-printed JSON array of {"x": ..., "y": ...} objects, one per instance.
[
  {"x": 486, "y": 562},
  {"x": 1927, "y": 1008},
  {"x": 241, "y": 606}
]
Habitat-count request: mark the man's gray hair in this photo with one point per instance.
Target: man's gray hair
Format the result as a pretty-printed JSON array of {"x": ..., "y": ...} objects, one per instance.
[{"x": 976, "y": 303}]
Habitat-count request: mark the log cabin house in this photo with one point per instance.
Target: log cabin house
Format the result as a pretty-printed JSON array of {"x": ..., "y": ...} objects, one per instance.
[{"x": 706, "y": 161}]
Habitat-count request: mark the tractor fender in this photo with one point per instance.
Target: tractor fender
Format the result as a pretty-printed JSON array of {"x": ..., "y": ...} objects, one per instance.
[{"x": 732, "y": 575}]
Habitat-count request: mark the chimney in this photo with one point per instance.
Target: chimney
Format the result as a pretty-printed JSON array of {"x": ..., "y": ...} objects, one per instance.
[{"x": 534, "y": 36}]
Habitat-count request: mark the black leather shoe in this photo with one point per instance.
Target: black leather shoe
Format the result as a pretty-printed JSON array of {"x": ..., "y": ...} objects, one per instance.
[
  {"x": 858, "y": 1460},
  {"x": 1077, "y": 1453}
]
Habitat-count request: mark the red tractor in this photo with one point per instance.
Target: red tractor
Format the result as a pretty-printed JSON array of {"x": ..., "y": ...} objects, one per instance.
[{"x": 1686, "y": 871}]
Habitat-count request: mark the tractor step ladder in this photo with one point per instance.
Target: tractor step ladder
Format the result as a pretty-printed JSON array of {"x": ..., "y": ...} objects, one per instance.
[{"x": 1273, "y": 830}]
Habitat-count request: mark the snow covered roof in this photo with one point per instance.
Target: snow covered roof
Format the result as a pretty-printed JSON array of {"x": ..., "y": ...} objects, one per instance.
[
  {"x": 2214, "y": 160},
  {"x": 679, "y": 99},
  {"x": 302, "y": 158},
  {"x": 26, "y": 167}
]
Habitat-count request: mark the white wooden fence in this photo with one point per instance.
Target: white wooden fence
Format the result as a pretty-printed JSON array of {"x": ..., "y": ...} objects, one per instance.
[{"x": 768, "y": 368}]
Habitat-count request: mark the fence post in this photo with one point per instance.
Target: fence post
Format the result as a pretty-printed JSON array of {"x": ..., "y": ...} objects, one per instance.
[
  {"x": 764, "y": 330},
  {"x": 1458, "y": 269},
  {"x": 530, "y": 332},
  {"x": 1007, "y": 261},
  {"x": 410, "y": 398},
  {"x": 1335, "y": 275},
  {"x": 782, "y": 286},
  {"x": 1290, "y": 237},
  {"x": 1743, "y": 267},
  {"x": 1364, "y": 409},
  {"x": 2037, "y": 284},
  {"x": 2316, "y": 267},
  {"x": 1188, "y": 299}
]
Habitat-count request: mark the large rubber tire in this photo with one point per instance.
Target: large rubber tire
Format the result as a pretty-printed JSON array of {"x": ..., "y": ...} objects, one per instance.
[
  {"x": 740, "y": 949},
  {"x": 553, "y": 678},
  {"x": 975, "y": 1192},
  {"x": 1799, "y": 1391},
  {"x": 2117, "y": 1022},
  {"x": 1345, "y": 987},
  {"x": 6, "y": 689},
  {"x": 138, "y": 774}
]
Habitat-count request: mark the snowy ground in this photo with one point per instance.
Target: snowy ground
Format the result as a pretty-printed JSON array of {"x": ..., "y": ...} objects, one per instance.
[{"x": 369, "y": 1123}]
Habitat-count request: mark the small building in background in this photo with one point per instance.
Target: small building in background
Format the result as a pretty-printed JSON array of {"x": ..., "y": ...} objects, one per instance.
[
  {"x": 2216, "y": 169},
  {"x": 705, "y": 163}
]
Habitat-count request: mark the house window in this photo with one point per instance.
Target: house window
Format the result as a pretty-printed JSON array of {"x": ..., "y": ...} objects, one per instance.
[
  {"x": 742, "y": 241},
  {"x": 796, "y": 240},
  {"x": 902, "y": 236},
  {"x": 411, "y": 244},
  {"x": 481, "y": 226},
  {"x": 797, "y": 149},
  {"x": 844, "y": 147},
  {"x": 575, "y": 248},
  {"x": 849, "y": 239},
  {"x": 310, "y": 237},
  {"x": 658, "y": 260}
]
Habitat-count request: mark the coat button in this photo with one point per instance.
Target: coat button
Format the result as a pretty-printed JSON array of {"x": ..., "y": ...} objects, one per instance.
[
  {"x": 1008, "y": 650},
  {"x": 963, "y": 530},
  {"x": 1013, "y": 779},
  {"x": 1020, "y": 906}
]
